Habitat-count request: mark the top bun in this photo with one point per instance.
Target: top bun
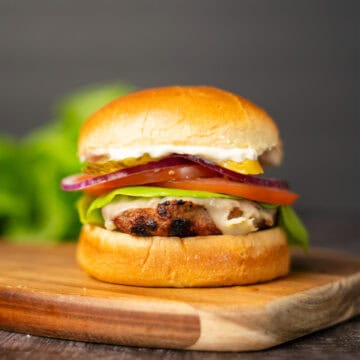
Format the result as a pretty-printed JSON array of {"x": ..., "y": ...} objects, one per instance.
[{"x": 181, "y": 116}]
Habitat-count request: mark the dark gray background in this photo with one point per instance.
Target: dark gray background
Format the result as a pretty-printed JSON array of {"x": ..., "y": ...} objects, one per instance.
[{"x": 298, "y": 59}]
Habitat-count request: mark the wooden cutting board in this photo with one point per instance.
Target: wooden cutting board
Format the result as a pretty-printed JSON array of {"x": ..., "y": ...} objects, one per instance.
[{"x": 43, "y": 292}]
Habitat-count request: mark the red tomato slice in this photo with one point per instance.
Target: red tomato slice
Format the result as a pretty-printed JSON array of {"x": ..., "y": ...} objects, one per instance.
[
  {"x": 248, "y": 191},
  {"x": 180, "y": 172}
]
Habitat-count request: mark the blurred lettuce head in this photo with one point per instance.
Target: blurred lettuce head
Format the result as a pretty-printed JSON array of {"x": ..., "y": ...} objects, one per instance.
[{"x": 32, "y": 206}]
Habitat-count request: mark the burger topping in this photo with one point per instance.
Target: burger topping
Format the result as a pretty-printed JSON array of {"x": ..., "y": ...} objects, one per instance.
[
  {"x": 186, "y": 216},
  {"x": 90, "y": 209},
  {"x": 180, "y": 167},
  {"x": 159, "y": 151},
  {"x": 102, "y": 168},
  {"x": 220, "y": 170},
  {"x": 136, "y": 175},
  {"x": 248, "y": 191},
  {"x": 246, "y": 167}
]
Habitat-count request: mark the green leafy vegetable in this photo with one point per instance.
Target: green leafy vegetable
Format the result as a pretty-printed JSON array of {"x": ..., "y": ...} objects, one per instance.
[
  {"x": 89, "y": 217},
  {"x": 294, "y": 228},
  {"x": 32, "y": 205},
  {"x": 90, "y": 208},
  {"x": 268, "y": 206},
  {"x": 12, "y": 207}
]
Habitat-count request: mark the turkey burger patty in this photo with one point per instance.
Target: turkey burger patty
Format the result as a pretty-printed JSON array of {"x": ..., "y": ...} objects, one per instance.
[{"x": 186, "y": 217}]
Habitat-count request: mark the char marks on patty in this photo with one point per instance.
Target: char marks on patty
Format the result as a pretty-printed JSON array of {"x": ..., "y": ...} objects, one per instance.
[{"x": 170, "y": 218}]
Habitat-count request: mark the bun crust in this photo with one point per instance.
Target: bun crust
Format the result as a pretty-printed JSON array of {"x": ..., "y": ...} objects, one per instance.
[
  {"x": 181, "y": 116},
  {"x": 183, "y": 262}
]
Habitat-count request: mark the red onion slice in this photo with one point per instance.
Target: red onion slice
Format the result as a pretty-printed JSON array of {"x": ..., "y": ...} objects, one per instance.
[
  {"x": 71, "y": 183},
  {"x": 246, "y": 179}
]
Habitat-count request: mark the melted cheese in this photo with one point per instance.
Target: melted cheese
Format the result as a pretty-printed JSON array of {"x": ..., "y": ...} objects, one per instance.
[{"x": 218, "y": 209}]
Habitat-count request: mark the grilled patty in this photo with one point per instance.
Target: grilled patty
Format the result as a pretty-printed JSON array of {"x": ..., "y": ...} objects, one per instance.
[
  {"x": 170, "y": 218},
  {"x": 184, "y": 217}
]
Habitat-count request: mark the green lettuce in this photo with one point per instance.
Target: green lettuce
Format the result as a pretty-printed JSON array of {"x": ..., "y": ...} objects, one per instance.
[
  {"x": 33, "y": 208},
  {"x": 12, "y": 207},
  {"x": 86, "y": 215},
  {"x": 293, "y": 226},
  {"x": 89, "y": 208}
]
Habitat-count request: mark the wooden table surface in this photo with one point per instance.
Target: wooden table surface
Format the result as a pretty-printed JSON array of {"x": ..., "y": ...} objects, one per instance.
[{"x": 339, "y": 342}]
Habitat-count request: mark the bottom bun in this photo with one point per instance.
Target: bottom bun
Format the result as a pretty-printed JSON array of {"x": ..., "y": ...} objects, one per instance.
[{"x": 183, "y": 262}]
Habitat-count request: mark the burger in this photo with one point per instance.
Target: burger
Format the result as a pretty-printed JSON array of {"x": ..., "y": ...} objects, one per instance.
[{"x": 173, "y": 194}]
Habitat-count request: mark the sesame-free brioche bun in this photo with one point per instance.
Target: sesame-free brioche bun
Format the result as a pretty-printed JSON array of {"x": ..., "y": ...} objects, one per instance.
[
  {"x": 181, "y": 116},
  {"x": 183, "y": 262}
]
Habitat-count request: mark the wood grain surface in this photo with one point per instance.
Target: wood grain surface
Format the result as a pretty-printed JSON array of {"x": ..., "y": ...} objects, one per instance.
[{"x": 43, "y": 292}]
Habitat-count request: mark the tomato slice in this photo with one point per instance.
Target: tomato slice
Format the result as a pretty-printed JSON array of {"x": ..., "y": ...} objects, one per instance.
[
  {"x": 180, "y": 172},
  {"x": 248, "y": 191}
]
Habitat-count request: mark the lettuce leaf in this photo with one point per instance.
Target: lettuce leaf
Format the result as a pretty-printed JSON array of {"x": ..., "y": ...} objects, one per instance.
[
  {"x": 33, "y": 208},
  {"x": 293, "y": 226},
  {"x": 86, "y": 216},
  {"x": 89, "y": 208}
]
